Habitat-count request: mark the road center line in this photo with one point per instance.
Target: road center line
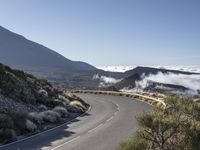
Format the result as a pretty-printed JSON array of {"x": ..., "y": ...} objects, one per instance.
[
  {"x": 66, "y": 143},
  {"x": 109, "y": 119},
  {"x": 95, "y": 128}
]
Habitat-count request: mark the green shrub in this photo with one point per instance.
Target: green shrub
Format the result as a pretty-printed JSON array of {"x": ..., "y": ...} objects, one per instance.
[
  {"x": 136, "y": 143},
  {"x": 42, "y": 108},
  {"x": 6, "y": 129},
  {"x": 175, "y": 127},
  {"x": 30, "y": 126},
  {"x": 7, "y": 135},
  {"x": 19, "y": 119},
  {"x": 35, "y": 117},
  {"x": 63, "y": 99},
  {"x": 50, "y": 116},
  {"x": 62, "y": 111},
  {"x": 6, "y": 121}
]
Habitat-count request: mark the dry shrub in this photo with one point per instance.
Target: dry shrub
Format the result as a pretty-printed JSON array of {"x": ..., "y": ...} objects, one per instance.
[{"x": 61, "y": 110}]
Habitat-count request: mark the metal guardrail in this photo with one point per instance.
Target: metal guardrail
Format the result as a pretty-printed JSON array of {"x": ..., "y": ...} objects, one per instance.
[{"x": 143, "y": 98}]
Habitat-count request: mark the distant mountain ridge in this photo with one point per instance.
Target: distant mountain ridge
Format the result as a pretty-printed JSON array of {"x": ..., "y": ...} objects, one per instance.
[
  {"x": 20, "y": 52},
  {"x": 148, "y": 70}
]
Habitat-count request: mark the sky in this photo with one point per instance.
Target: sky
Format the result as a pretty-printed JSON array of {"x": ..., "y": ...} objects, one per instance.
[{"x": 110, "y": 32}]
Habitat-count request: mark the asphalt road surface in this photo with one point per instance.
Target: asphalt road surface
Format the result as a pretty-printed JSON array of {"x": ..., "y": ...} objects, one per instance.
[{"x": 109, "y": 121}]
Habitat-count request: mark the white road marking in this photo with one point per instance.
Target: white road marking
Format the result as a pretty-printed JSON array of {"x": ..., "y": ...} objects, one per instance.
[
  {"x": 117, "y": 107},
  {"x": 66, "y": 143},
  {"x": 109, "y": 119},
  {"x": 95, "y": 128}
]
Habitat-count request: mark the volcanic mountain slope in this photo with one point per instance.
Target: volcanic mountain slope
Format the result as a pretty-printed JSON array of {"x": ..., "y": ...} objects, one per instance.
[
  {"x": 40, "y": 61},
  {"x": 18, "y": 52}
]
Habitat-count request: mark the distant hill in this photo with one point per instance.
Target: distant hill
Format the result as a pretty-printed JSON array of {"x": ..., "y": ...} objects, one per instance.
[
  {"x": 160, "y": 87},
  {"x": 148, "y": 70},
  {"x": 19, "y": 52},
  {"x": 128, "y": 82}
]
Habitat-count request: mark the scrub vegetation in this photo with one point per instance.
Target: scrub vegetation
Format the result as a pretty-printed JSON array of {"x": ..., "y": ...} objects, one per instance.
[
  {"x": 30, "y": 105},
  {"x": 175, "y": 127}
]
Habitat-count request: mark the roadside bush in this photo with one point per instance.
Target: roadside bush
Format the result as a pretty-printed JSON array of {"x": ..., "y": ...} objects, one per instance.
[
  {"x": 19, "y": 119},
  {"x": 6, "y": 129},
  {"x": 74, "y": 109},
  {"x": 63, "y": 98},
  {"x": 30, "y": 126},
  {"x": 50, "y": 116},
  {"x": 7, "y": 135},
  {"x": 6, "y": 121},
  {"x": 35, "y": 117},
  {"x": 55, "y": 102},
  {"x": 42, "y": 108},
  {"x": 62, "y": 111},
  {"x": 175, "y": 127},
  {"x": 136, "y": 143},
  {"x": 43, "y": 92}
]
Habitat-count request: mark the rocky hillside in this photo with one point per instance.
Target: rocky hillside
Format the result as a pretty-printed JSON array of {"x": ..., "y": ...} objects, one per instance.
[{"x": 29, "y": 105}]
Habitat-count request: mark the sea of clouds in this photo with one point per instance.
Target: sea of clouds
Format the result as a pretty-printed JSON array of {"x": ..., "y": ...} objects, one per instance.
[
  {"x": 189, "y": 81},
  {"x": 116, "y": 68},
  {"x": 195, "y": 69}
]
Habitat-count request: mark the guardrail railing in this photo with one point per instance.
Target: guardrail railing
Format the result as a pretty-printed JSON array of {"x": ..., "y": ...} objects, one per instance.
[{"x": 147, "y": 99}]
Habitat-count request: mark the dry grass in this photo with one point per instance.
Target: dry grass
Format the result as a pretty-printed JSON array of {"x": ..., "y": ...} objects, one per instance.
[{"x": 77, "y": 103}]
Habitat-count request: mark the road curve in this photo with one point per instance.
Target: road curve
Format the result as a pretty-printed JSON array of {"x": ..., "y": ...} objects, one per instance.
[{"x": 110, "y": 120}]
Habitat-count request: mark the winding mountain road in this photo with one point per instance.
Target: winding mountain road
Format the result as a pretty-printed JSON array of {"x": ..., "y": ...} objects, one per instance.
[{"x": 109, "y": 121}]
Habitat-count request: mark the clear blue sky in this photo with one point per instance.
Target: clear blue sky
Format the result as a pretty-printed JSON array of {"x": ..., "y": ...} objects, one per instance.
[{"x": 110, "y": 32}]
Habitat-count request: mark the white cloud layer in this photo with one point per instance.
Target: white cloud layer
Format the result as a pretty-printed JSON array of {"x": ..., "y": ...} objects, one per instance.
[
  {"x": 126, "y": 68},
  {"x": 189, "y": 81},
  {"x": 105, "y": 81},
  {"x": 116, "y": 68}
]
